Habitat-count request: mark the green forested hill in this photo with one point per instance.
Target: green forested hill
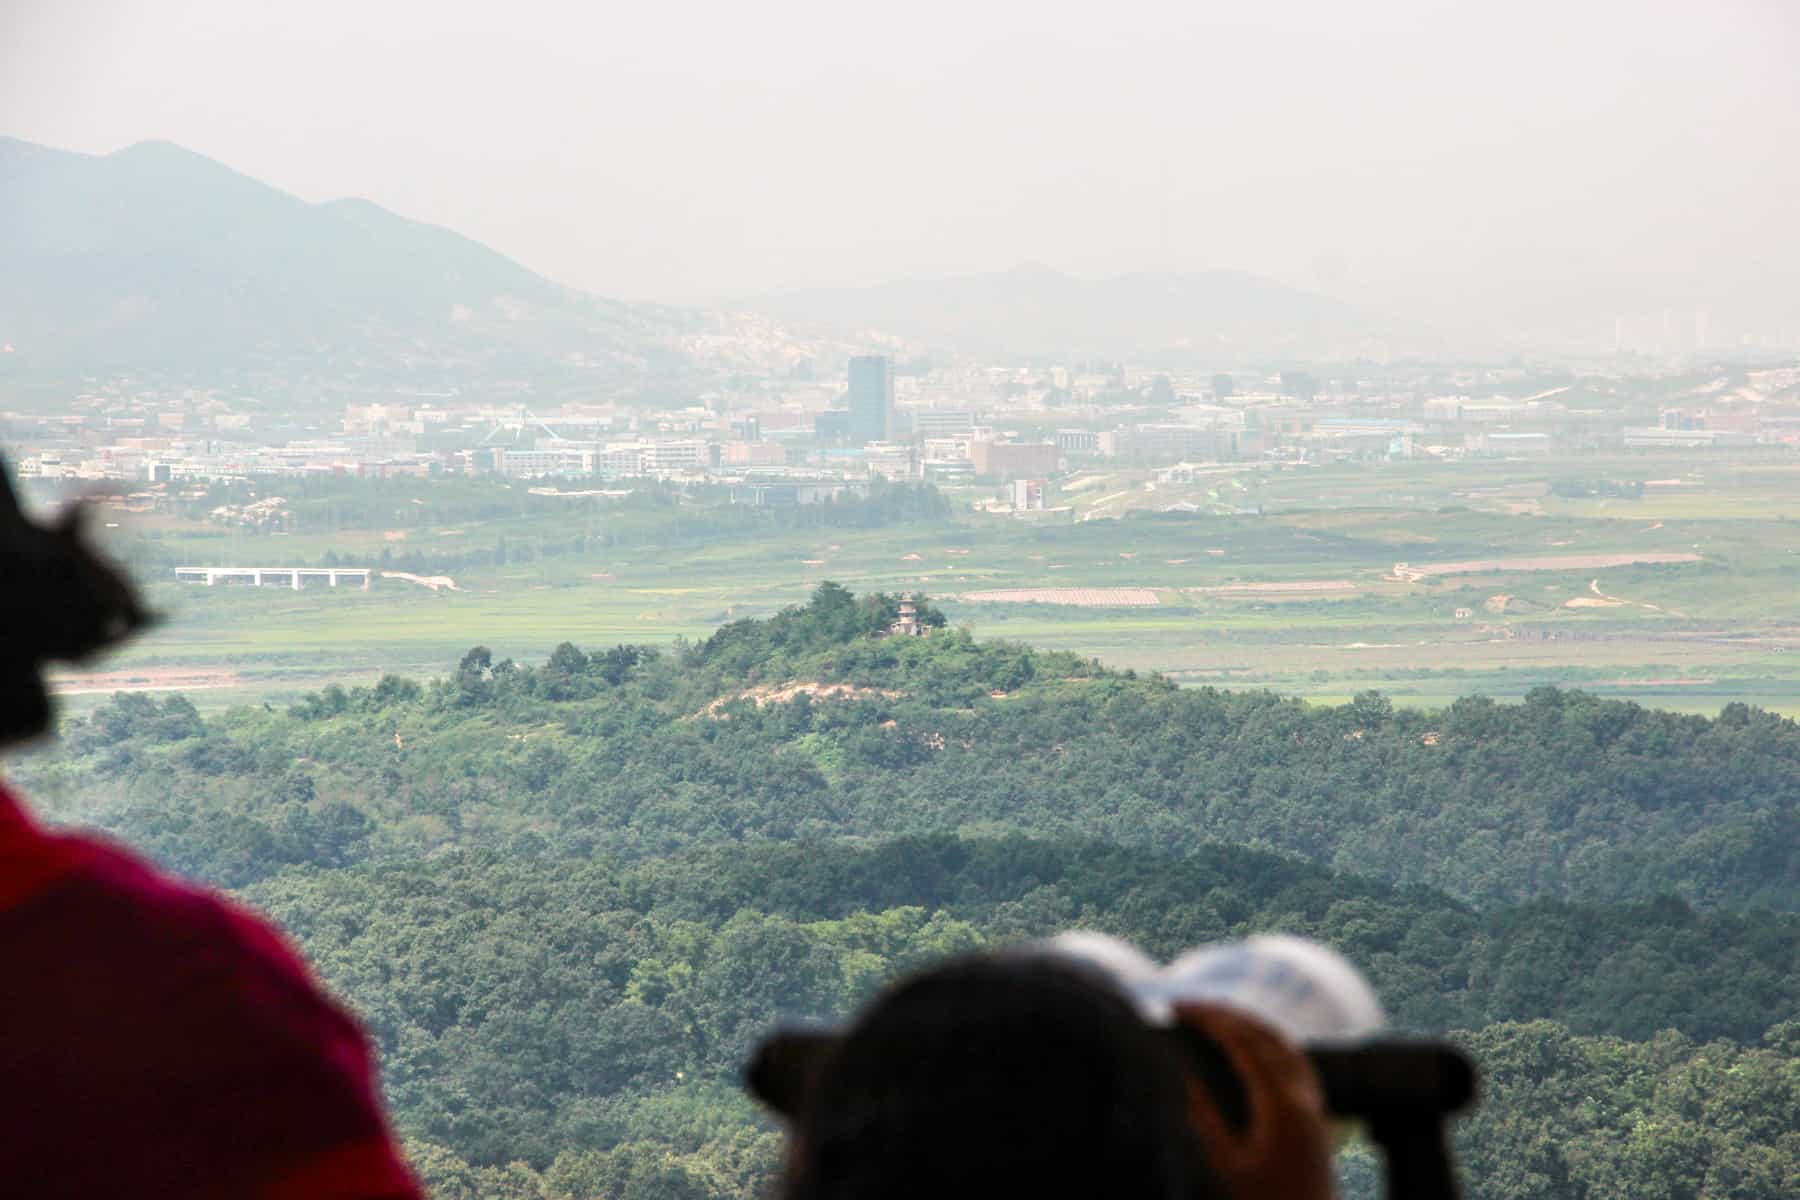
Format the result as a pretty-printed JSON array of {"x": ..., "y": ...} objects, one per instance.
[
  {"x": 567, "y": 898},
  {"x": 632, "y": 753},
  {"x": 535, "y": 989}
]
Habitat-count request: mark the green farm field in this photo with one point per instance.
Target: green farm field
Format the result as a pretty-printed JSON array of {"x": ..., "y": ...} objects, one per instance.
[{"x": 1523, "y": 583}]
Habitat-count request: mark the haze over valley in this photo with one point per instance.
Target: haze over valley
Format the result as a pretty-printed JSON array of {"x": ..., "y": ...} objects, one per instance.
[{"x": 662, "y": 522}]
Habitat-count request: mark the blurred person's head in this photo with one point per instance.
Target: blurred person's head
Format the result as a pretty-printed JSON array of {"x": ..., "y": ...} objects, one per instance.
[
  {"x": 999, "y": 1075},
  {"x": 58, "y": 602}
]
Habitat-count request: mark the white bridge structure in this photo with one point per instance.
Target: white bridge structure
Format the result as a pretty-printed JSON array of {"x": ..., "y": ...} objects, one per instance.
[{"x": 288, "y": 577}]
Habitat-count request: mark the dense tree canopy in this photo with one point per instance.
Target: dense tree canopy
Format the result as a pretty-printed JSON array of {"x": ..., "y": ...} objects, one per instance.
[
  {"x": 808, "y": 725},
  {"x": 568, "y": 897},
  {"x": 533, "y": 989}
]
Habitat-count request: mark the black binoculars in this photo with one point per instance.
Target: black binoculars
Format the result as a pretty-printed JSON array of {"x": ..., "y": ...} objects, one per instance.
[{"x": 1400, "y": 1090}]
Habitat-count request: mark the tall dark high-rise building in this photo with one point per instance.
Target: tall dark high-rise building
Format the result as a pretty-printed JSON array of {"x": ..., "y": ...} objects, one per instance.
[
  {"x": 1299, "y": 385},
  {"x": 871, "y": 398}
]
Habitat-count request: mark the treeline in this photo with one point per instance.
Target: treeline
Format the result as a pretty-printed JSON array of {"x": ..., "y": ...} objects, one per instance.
[
  {"x": 656, "y": 966},
  {"x": 334, "y": 502},
  {"x": 1561, "y": 1117},
  {"x": 527, "y": 527},
  {"x": 352, "y": 504},
  {"x": 568, "y": 896},
  {"x": 655, "y": 514},
  {"x": 524, "y": 1006},
  {"x": 1564, "y": 1116},
  {"x": 806, "y": 726}
]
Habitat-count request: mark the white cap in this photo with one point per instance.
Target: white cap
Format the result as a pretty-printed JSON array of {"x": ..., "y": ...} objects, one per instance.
[
  {"x": 1114, "y": 955},
  {"x": 1308, "y": 991}
]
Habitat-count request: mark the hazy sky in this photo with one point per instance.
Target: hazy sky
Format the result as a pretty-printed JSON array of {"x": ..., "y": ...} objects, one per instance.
[{"x": 1503, "y": 156}]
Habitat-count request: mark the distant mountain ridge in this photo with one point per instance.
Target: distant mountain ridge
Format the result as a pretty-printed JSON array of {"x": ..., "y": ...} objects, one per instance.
[
  {"x": 155, "y": 258},
  {"x": 158, "y": 258},
  {"x": 1034, "y": 310}
]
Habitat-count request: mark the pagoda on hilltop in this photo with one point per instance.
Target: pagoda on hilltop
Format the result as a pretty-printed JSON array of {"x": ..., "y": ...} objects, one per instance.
[{"x": 908, "y": 623}]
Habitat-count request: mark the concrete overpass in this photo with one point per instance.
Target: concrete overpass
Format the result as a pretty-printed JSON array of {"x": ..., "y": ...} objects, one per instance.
[{"x": 288, "y": 577}]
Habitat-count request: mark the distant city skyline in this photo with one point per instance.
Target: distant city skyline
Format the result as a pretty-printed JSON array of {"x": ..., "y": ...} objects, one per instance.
[{"x": 1407, "y": 157}]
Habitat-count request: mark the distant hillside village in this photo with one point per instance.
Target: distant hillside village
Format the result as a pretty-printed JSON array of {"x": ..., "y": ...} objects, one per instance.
[{"x": 820, "y": 436}]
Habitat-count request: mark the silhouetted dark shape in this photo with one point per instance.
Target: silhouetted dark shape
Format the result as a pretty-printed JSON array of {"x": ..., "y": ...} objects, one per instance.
[
  {"x": 998, "y": 1076},
  {"x": 58, "y": 602}
]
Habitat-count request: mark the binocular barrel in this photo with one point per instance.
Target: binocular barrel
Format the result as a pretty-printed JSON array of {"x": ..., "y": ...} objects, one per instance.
[{"x": 1388, "y": 1077}]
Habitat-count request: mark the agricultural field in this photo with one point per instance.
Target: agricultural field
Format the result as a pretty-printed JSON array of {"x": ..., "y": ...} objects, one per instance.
[{"x": 1421, "y": 579}]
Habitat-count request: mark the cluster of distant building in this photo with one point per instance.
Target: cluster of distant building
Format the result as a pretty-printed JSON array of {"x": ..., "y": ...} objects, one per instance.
[{"x": 804, "y": 440}]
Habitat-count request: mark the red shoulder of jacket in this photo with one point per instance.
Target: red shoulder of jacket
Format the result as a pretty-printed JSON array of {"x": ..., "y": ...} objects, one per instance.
[
  {"x": 187, "y": 1035},
  {"x": 30, "y": 858}
]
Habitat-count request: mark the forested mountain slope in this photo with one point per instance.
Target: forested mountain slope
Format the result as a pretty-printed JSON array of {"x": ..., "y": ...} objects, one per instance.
[
  {"x": 804, "y": 727},
  {"x": 533, "y": 989},
  {"x": 567, "y": 898}
]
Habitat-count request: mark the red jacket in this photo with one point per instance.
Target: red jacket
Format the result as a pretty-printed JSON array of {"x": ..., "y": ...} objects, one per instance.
[{"x": 158, "y": 1040}]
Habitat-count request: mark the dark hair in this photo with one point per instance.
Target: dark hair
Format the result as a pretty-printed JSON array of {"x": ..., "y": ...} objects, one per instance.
[
  {"x": 58, "y": 601},
  {"x": 998, "y": 1075}
]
